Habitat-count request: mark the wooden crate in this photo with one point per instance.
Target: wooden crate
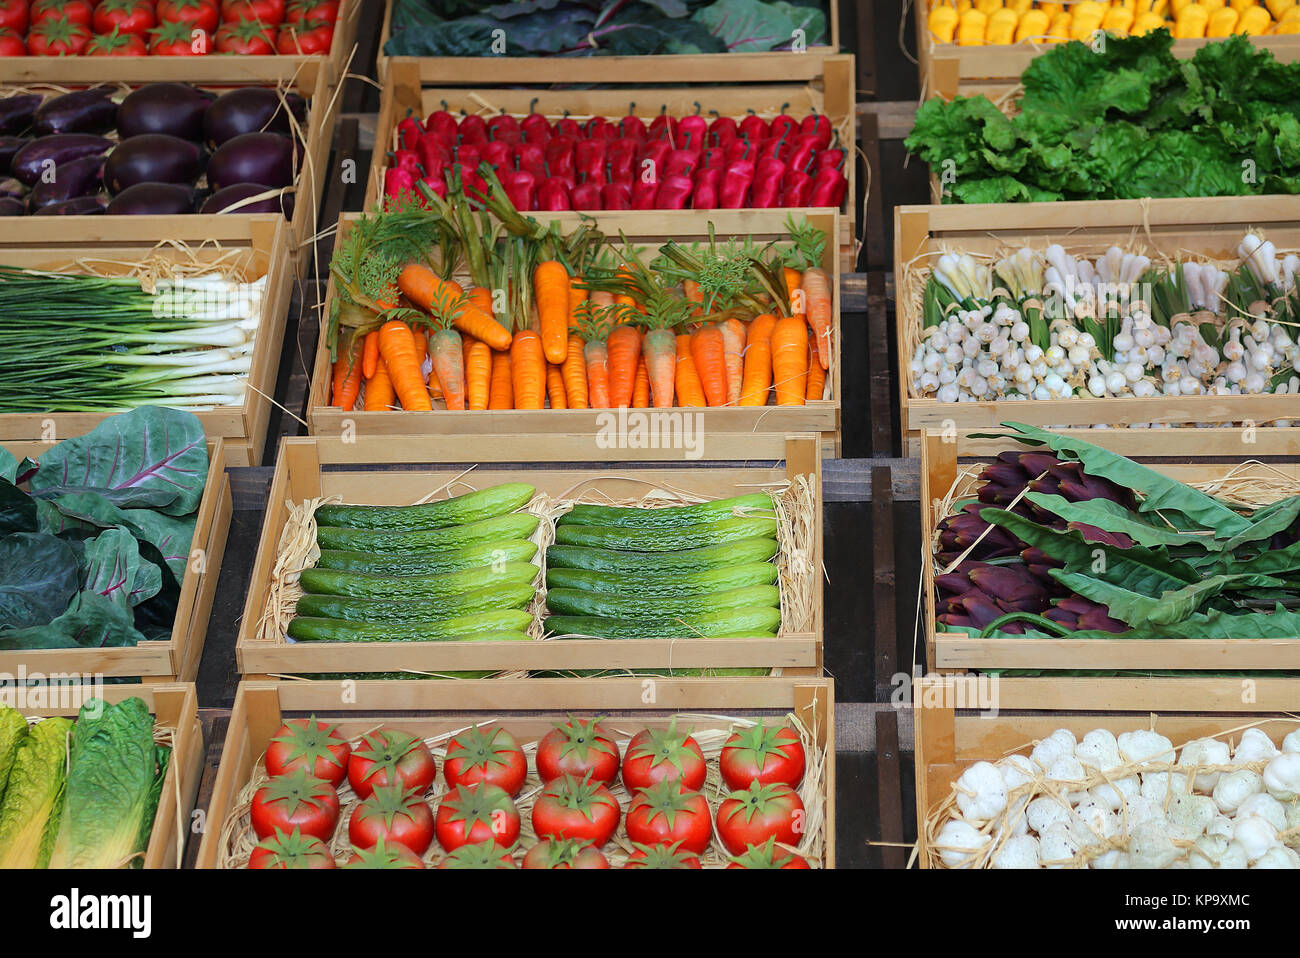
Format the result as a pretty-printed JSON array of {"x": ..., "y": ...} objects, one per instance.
[
  {"x": 59, "y": 242},
  {"x": 824, "y": 83},
  {"x": 694, "y": 68},
  {"x": 949, "y": 70},
  {"x": 308, "y": 468},
  {"x": 649, "y": 229},
  {"x": 1207, "y": 225},
  {"x": 177, "y": 659},
  {"x": 311, "y": 79},
  {"x": 527, "y": 708},
  {"x": 173, "y": 706},
  {"x": 1167, "y": 451},
  {"x": 949, "y": 739}
]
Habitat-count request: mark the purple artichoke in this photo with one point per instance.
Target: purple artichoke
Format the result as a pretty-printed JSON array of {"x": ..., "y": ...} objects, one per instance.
[{"x": 1119, "y": 540}]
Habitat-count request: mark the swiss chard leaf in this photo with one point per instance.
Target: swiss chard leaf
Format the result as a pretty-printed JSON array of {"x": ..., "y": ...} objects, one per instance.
[
  {"x": 112, "y": 567},
  {"x": 18, "y": 510},
  {"x": 753, "y": 26},
  {"x": 40, "y": 578},
  {"x": 170, "y": 535}
]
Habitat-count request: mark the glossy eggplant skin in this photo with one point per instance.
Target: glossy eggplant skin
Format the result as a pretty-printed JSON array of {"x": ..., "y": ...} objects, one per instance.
[
  {"x": 151, "y": 158},
  {"x": 153, "y": 199},
  {"x": 77, "y": 206},
  {"x": 12, "y": 206},
  {"x": 33, "y": 159},
  {"x": 16, "y": 112},
  {"x": 81, "y": 111},
  {"x": 252, "y": 110},
  {"x": 266, "y": 159},
  {"x": 219, "y": 201},
  {"x": 9, "y": 146},
  {"x": 177, "y": 109},
  {"x": 79, "y": 177}
]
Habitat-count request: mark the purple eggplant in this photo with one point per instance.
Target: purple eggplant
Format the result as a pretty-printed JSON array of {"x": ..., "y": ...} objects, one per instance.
[
  {"x": 151, "y": 158},
  {"x": 12, "y": 206},
  {"x": 79, "y": 177},
  {"x": 153, "y": 199},
  {"x": 265, "y": 159},
  {"x": 222, "y": 200},
  {"x": 77, "y": 206},
  {"x": 176, "y": 109},
  {"x": 251, "y": 110},
  {"x": 16, "y": 112},
  {"x": 50, "y": 152},
  {"x": 82, "y": 111},
  {"x": 9, "y": 147}
]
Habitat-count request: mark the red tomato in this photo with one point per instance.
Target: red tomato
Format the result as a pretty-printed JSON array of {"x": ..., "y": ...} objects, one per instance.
[
  {"x": 657, "y": 754},
  {"x": 305, "y": 38},
  {"x": 666, "y": 814},
  {"x": 13, "y": 15},
  {"x": 11, "y": 44},
  {"x": 117, "y": 45},
  {"x": 479, "y": 855},
  {"x": 180, "y": 40},
  {"x": 200, "y": 14},
  {"x": 393, "y": 814},
  {"x": 294, "y": 850},
  {"x": 384, "y": 855},
  {"x": 559, "y": 854},
  {"x": 768, "y": 855},
  {"x": 69, "y": 11},
  {"x": 308, "y": 743},
  {"x": 474, "y": 756},
  {"x": 578, "y": 748},
  {"x": 270, "y": 12},
  {"x": 301, "y": 11},
  {"x": 482, "y": 813},
  {"x": 54, "y": 38},
  {"x": 760, "y": 812},
  {"x": 762, "y": 754},
  {"x": 245, "y": 37},
  {"x": 297, "y": 800},
  {"x": 127, "y": 16},
  {"x": 576, "y": 808},
  {"x": 661, "y": 856},
  {"x": 384, "y": 756}
]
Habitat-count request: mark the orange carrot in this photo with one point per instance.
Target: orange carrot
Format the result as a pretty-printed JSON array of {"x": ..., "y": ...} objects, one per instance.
[
  {"x": 501, "y": 394},
  {"x": 575, "y": 375},
  {"x": 659, "y": 349},
  {"x": 689, "y": 390},
  {"x": 449, "y": 366},
  {"x": 577, "y": 296},
  {"x": 421, "y": 344},
  {"x": 790, "y": 360},
  {"x": 709, "y": 353},
  {"x": 595, "y": 356},
  {"x": 346, "y": 398},
  {"x": 551, "y": 292},
  {"x": 397, "y": 347},
  {"x": 433, "y": 294},
  {"x": 478, "y": 373},
  {"x": 600, "y": 297},
  {"x": 624, "y": 346},
  {"x": 793, "y": 279},
  {"x": 435, "y": 387},
  {"x": 758, "y": 361},
  {"x": 817, "y": 294},
  {"x": 555, "y": 387},
  {"x": 370, "y": 354},
  {"x": 528, "y": 368},
  {"x": 692, "y": 290},
  {"x": 641, "y": 386},
  {"x": 733, "y": 342},
  {"x": 379, "y": 389},
  {"x": 816, "y": 376}
]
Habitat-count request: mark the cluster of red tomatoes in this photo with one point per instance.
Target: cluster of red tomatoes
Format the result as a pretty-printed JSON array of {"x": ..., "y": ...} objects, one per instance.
[
  {"x": 169, "y": 28},
  {"x": 477, "y": 823}
]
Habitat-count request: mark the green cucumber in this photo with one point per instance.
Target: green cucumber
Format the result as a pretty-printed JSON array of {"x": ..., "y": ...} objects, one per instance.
[
  {"x": 752, "y": 622},
  {"x": 503, "y": 596},
  {"x": 629, "y": 606},
  {"x": 478, "y": 627},
  {"x": 515, "y": 525},
  {"x": 456, "y": 511},
  {"x": 669, "y": 517},
  {"x": 663, "y": 583},
  {"x": 666, "y": 540},
  {"x": 756, "y": 549},
  {"x": 365, "y": 585},
  {"x": 430, "y": 563}
]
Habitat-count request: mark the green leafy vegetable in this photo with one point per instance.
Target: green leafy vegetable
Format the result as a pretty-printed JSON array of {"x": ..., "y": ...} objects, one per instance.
[
  {"x": 13, "y": 730},
  {"x": 33, "y": 799}
]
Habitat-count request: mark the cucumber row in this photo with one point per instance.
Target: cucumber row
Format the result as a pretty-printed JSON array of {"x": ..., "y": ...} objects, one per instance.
[
  {"x": 434, "y": 562},
  {"x": 515, "y": 525},
  {"x": 654, "y": 585},
  {"x": 499, "y": 626},
  {"x": 669, "y": 517},
  {"x": 504, "y": 596},
  {"x": 667, "y": 540},
  {"x": 730, "y": 623},
  {"x": 368, "y": 585},
  {"x": 456, "y": 511},
  {"x": 632, "y": 606},
  {"x": 614, "y": 562}
]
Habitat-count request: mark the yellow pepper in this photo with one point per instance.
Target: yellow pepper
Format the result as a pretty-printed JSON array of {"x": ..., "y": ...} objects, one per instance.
[
  {"x": 1021, "y": 7},
  {"x": 1288, "y": 27},
  {"x": 1241, "y": 5},
  {"x": 1086, "y": 19},
  {"x": 1278, "y": 7},
  {"x": 943, "y": 23},
  {"x": 1160, "y": 6},
  {"x": 1211, "y": 5},
  {"x": 1002, "y": 27},
  {"x": 1222, "y": 23},
  {"x": 1254, "y": 21},
  {"x": 971, "y": 28},
  {"x": 1176, "y": 6},
  {"x": 1290, "y": 13},
  {"x": 1117, "y": 20},
  {"x": 1145, "y": 23},
  {"x": 1033, "y": 25},
  {"x": 988, "y": 7},
  {"x": 1059, "y": 29},
  {"x": 1052, "y": 9},
  {"x": 1191, "y": 22}
]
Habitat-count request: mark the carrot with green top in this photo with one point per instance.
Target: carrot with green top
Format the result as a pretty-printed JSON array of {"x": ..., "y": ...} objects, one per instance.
[
  {"x": 733, "y": 343},
  {"x": 817, "y": 301},
  {"x": 397, "y": 348},
  {"x": 641, "y": 386},
  {"x": 551, "y": 293},
  {"x": 790, "y": 360},
  {"x": 624, "y": 345},
  {"x": 574, "y": 372},
  {"x": 687, "y": 380},
  {"x": 710, "y": 355},
  {"x": 379, "y": 390},
  {"x": 478, "y": 373},
  {"x": 370, "y": 354},
  {"x": 433, "y": 294},
  {"x": 528, "y": 370},
  {"x": 663, "y": 311},
  {"x": 758, "y": 361},
  {"x": 449, "y": 366},
  {"x": 816, "y": 376}
]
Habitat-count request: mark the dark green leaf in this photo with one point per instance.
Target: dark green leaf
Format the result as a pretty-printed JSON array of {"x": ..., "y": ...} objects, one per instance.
[{"x": 40, "y": 578}]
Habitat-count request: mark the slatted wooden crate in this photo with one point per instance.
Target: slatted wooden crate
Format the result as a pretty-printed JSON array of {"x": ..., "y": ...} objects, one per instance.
[
  {"x": 1211, "y": 226},
  {"x": 526, "y": 708},
  {"x": 649, "y": 229},
  {"x": 824, "y": 83},
  {"x": 1166, "y": 450},
  {"x": 177, "y": 659},
  {"x": 311, "y": 468}
]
